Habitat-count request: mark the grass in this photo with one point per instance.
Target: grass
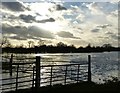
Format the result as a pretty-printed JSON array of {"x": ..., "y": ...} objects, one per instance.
[{"x": 82, "y": 87}]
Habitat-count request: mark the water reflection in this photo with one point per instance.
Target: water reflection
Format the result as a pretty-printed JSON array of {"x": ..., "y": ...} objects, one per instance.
[{"x": 104, "y": 65}]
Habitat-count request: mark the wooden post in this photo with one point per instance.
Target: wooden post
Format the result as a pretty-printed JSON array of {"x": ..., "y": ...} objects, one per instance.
[
  {"x": 11, "y": 60},
  {"x": 78, "y": 73},
  {"x": 17, "y": 77},
  {"x": 89, "y": 68},
  {"x": 66, "y": 74},
  {"x": 37, "y": 80},
  {"x": 51, "y": 76}
]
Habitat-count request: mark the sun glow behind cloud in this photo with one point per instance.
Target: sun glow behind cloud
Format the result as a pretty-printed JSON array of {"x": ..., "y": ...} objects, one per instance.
[
  {"x": 77, "y": 23},
  {"x": 41, "y": 8},
  {"x": 52, "y": 27}
]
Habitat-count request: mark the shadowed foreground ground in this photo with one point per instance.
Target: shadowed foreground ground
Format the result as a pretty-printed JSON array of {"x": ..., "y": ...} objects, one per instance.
[{"x": 85, "y": 87}]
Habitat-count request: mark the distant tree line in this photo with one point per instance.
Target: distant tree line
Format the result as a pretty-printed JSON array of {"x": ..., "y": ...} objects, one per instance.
[{"x": 58, "y": 48}]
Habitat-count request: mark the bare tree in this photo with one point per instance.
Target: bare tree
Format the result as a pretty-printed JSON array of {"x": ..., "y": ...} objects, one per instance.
[
  {"x": 21, "y": 46},
  {"x": 41, "y": 42},
  {"x": 5, "y": 42},
  {"x": 61, "y": 44},
  {"x": 107, "y": 46},
  {"x": 30, "y": 44}
]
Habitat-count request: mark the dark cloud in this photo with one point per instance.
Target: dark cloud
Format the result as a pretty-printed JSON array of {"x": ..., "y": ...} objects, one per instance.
[
  {"x": 65, "y": 34},
  {"x": 47, "y": 20},
  {"x": 14, "y": 6},
  {"x": 18, "y": 38},
  {"x": 103, "y": 37},
  {"x": 38, "y": 32},
  {"x": 24, "y": 33},
  {"x": 30, "y": 18},
  {"x": 27, "y": 18},
  {"x": 95, "y": 30},
  {"x": 59, "y": 7},
  {"x": 104, "y": 26},
  {"x": 24, "y": 37},
  {"x": 109, "y": 33},
  {"x": 9, "y": 29},
  {"x": 18, "y": 7}
]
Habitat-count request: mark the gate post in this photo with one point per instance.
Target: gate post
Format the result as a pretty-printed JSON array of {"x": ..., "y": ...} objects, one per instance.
[
  {"x": 11, "y": 60},
  {"x": 37, "y": 64},
  {"x": 89, "y": 68}
]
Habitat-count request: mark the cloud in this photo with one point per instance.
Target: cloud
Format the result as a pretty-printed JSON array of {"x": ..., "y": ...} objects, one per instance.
[
  {"x": 80, "y": 17},
  {"x": 65, "y": 34},
  {"x": 109, "y": 33},
  {"x": 114, "y": 36},
  {"x": 115, "y": 13},
  {"x": 38, "y": 32},
  {"x": 27, "y": 18},
  {"x": 99, "y": 27},
  {"x": 95, "y": 8},
  {"x": 75, "y": 7},
  {"x": 14, "y": 6},
  {"x": 22, "y": 32},
  {"x": 95, "y": 30},
  {"x": 104, "y": 26},
  {"x": 47, "y": 20},
  {"x": 113, "y": 18},
  {"x": 59, "y": 7},
  {"x": 18, "y": 38},
  {"x": 17, "y": 30},
  {"x": 30, "y": 19}
]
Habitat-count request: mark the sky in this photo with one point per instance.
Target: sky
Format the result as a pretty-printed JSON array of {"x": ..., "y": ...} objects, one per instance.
[{"x": 78, "y": 23}]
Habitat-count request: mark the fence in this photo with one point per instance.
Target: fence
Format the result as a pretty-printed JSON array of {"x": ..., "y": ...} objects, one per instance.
[{"x": 33, "y": 74}]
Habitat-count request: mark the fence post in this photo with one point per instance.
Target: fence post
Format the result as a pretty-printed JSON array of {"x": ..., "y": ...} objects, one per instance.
[
  {"x": 11, "y": 60},
  {"x": 17, "y": 77},
  {"x": 66, "y": 74},
  {"x": 89, "y": 68},
  {"x": 37, "y": 64}
]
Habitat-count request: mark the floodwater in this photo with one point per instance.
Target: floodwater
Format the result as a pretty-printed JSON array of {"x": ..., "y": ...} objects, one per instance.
[{"x": 103, "y": 65}]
